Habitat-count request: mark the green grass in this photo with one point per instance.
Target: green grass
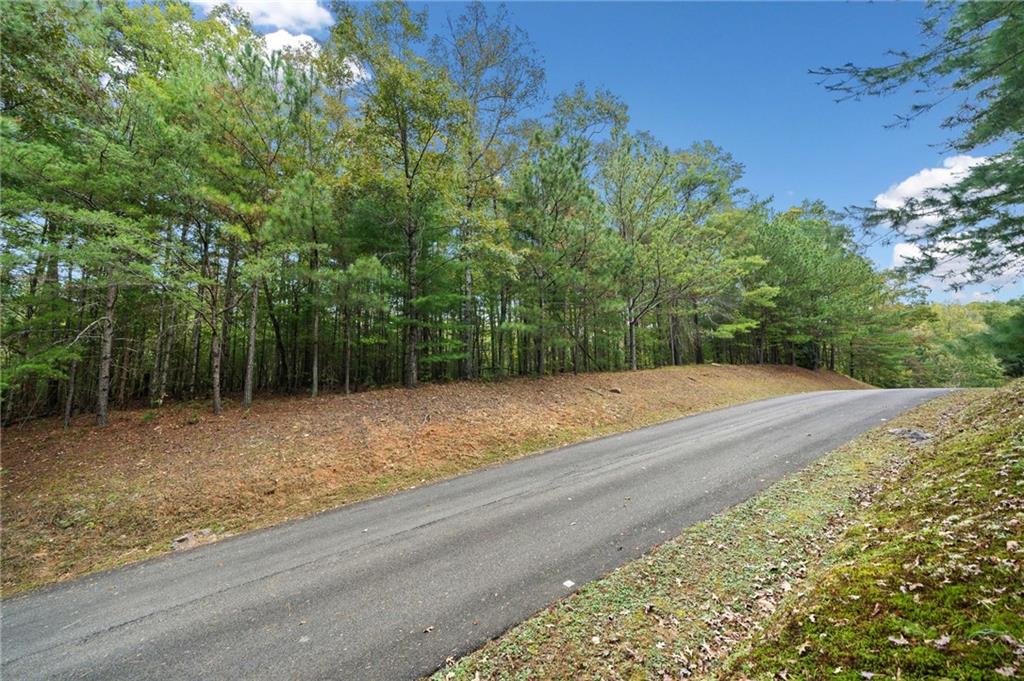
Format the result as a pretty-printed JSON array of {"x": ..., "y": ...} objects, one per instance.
[
  {"x": 699, "y": 605},
  {"x": 930, "y": 584}
]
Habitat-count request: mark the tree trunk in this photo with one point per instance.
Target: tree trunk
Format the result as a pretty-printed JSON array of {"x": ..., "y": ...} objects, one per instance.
[
  {"x": 412, "y": 333},
  {"x": 563, "y": 364},
  {"x": 193, "y": 369},
  {"x": 215, "y": 344},
  {"x": 165, "y": 367},
  {"x": 282, "y": 352},
  {"x": 215, "y": 363},
  {"x": 315, "y": 265},
  {"x": 294, "y": 369},
  {"x": 213, "y": 275},
  {"x": 576, "y": 348},
  {"x": 227, "y": 360},
  {"x": 698, "y": 343},
  {"x": 197, "y": 338},
  {"x": 673, "y": 339},
  {"x": 122, "y": 379},
  {"x": 492, "y": 337},
  {"x": 154, "y": 398},
  {"x": 466, "y": 364},
  {"x": 762, "y": 340},
  {"x": 348, "y": 351},
  {"x": 316, "y": 349},
  {"x": 250, "y": 351},
  {"x": 631, "y": 337},
  {"x": 69, "y": 401},
  {"x": 106, "y": 345},
  {"x": 261, "y": 360},
  {"x": 502, "y": 320},
  {"x": 540, "y": 336}
]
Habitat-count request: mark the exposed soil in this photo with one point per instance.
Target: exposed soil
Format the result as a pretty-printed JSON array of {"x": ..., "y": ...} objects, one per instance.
[{"x": 87, "y": 498}]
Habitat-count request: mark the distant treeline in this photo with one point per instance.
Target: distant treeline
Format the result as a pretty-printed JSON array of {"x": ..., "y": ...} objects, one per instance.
[{"x": 186, "y": 215}]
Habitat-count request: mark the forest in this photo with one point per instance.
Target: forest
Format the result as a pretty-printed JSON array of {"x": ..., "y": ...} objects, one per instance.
[{"x": 188, "y": 215}]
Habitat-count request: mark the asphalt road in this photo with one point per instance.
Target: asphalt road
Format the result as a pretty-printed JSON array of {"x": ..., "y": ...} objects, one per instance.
[{"x": 389, "y": 588}]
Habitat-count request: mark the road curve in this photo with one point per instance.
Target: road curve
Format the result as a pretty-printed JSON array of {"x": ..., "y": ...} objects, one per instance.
[{"x": 390, "y": 587}]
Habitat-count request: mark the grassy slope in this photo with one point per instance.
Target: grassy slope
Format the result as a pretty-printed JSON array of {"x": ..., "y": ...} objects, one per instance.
[
  {"x": 931, "y": 584},
  {"x": 876, "y": 522},
  {"x": 85, "y": 499}
]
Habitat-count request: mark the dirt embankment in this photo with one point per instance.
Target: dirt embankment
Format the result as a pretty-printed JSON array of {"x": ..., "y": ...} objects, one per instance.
[{"x": 87, "y": 498}]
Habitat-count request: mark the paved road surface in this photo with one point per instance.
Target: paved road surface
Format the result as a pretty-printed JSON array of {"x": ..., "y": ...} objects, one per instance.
[{"x": 388, "y": 588}]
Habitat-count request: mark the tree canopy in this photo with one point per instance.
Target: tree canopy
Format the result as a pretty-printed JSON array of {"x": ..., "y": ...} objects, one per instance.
[
  {"x": 972, "y": 63},
  {"x": 188, "y": 215}
]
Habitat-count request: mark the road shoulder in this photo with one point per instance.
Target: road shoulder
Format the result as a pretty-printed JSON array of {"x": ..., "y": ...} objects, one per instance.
[{"x": 683, "y": 609}]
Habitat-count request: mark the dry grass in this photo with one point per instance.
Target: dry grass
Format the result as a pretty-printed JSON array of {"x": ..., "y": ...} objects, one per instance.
[{"x": 85, "y": 499}]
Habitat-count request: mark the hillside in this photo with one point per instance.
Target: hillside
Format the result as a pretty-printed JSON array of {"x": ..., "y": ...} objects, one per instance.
[{"x": 89, "y": 498}]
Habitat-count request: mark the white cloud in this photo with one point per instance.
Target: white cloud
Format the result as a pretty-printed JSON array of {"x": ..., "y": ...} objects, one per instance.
[
  {"x": 293, "y": 15},
  {"x": 290, "y": 17},
  {"x": 949, "y": 269},
  {"x": 282, "y": 39},
  {"x": 927, "y": 182},
  {"x": 972, "y": 294},
  {"x": 357, "y": 72},
  {"x": 903, "y": 252}
]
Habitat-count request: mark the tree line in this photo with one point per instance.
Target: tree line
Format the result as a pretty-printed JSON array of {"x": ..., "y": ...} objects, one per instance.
[{"x": 187, "y": 215}]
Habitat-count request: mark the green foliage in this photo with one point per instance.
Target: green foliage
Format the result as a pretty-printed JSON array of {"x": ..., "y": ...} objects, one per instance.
[
  {"x": 1005, "y": 334},
  {"x": 952, "y": 349},
  {"x": 184, "y": 214},
  {"x": 972, "y": 57}
]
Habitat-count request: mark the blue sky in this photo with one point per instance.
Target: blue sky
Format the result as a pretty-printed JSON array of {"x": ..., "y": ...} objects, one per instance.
[{"x": 735, "y": 74}]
